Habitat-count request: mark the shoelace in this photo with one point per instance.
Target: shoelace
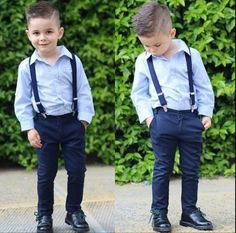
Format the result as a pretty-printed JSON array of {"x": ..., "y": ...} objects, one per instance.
[
  {"x": 38, "y": 216},
  {"x": 81, "y": 215},
  {"x": 200, "y": 212},
  {"x": 153, "y": 213}
]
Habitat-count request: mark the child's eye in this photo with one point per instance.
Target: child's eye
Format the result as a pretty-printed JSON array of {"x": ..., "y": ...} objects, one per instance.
[
  {"x": 49, "y": 32},
  {"x": 36, "y": 33},
  {"x": 157, "y": 45}
]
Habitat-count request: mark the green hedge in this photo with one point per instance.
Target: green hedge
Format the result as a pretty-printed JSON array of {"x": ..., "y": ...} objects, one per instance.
[
  {"x": 207, "y": 26},
  {"x": 89, "y": 32}
]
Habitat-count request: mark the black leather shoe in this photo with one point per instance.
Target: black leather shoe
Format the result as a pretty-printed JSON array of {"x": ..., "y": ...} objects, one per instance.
[
  {"x": 160, "y": 222},
  {"x": 196, "y": 220},
  {"x": 44, "y": 224},
  {"x": 77, "y": 221}
]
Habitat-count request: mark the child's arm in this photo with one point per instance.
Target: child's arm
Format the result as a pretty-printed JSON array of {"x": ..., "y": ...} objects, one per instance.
[
  {"x": 140, "y": 93},
  {"x": 204, "y": 91},
  {"x": 34, "y": 138},
  {"x": 149, "y": 121},
  {"x": 85, "y": 100},
  {"x": 206, "y": 121},
  {"x": 23, "y": 106},
  {"x": 85, "y": 124}
]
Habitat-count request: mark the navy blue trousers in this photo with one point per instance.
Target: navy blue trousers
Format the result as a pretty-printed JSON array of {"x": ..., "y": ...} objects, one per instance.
[
  {"x": 68, "y": 134},
  {"x": 169, "y": 131}
]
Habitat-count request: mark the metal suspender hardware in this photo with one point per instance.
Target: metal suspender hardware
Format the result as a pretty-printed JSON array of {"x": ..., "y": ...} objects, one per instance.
[
  {"x": 157, "y": 84},
  {"x": 74, "y": 87},
  {"x": 74, "y": 84},
  {"x": 190, "y": 79}
]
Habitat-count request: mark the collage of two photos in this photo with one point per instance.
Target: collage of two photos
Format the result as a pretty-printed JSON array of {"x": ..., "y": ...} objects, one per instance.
[{"x": 117, "y": 116}]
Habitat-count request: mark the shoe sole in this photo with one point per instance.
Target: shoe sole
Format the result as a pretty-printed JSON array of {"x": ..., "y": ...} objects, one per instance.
[
  {"x": 188, "y": 224},
  {"x": 161, "y": 230},
  {"x": 84, "y": 229},
  {"x": 42, "y": 231}
]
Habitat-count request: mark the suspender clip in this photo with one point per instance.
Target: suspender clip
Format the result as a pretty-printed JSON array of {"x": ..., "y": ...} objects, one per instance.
[
  {"x": 192, "y": 108},
  {"x": 38, "y": 103},
  {"x": 44, "y": 115},
  {"x": 165, "y": 108},
  {"x": 192, "y": 93}
]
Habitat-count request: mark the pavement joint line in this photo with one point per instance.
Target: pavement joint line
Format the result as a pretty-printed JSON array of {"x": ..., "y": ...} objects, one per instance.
[
  {"x": 97, "y": 201},
  {"x": 96, "y": 226},
  {"x": 58, "y": 202}
]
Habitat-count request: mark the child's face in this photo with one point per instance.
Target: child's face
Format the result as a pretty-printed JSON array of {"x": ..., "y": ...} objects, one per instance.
[
  {"x": 44, "y": 34},
  {"x": 159, "y": 43}
]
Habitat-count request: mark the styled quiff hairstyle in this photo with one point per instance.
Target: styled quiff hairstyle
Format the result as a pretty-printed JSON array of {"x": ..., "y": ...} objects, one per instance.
[
  {"x": 152, "y": 17},
  {"x": 42, "y": 9}
]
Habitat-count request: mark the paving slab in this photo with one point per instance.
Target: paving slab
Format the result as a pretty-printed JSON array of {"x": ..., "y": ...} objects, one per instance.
[
  {"x": 18, "y": 200},
  {"x": 129, "y": 214},
  {"x": 216, "y": 199}
]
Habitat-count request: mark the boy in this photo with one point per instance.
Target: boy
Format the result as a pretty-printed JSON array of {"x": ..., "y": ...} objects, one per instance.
[
  {"x": 170, "y": 94},
  {"x": 54, "y": 105}
]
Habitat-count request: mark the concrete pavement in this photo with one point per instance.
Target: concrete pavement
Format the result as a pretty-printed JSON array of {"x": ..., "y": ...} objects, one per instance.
[
  {"x": 216, "y": 199},
  {"x": 130, "y": 214},
  {"x": 18, "y": 200}
]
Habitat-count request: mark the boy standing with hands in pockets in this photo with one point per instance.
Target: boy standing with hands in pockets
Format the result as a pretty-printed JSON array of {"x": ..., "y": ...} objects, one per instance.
[
  {"x": 172, "y": 93},
  {"x": 54, "y": 105}
]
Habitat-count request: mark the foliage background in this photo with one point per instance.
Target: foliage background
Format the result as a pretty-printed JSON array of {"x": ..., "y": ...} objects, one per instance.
[
  {"x": 89, "y": 32},
  {"x": 207, "y": 26},
  {"x": 90, "y": 27}
]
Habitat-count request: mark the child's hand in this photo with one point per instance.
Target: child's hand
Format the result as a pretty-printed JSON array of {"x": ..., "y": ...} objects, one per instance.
[
  {"x": 85, "y": 124},
  {"x": 206, "y": 121},
  {"x": 149, "y": 121},
  {"x": 34, "y": 138}
]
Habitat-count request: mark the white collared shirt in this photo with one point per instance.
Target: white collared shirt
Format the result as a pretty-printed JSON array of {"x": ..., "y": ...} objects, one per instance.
[{"x": 173, "y": 78}]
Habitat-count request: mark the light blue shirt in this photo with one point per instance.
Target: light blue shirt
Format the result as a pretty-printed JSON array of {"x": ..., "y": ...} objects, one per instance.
[
  {"x": 54, "y": 87},
  {"x": 173, "y": 78}
]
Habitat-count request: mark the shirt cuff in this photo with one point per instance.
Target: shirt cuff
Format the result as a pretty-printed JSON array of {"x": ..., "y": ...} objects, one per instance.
[
  {"x": 84, "y": 116},
  {"x": 144, "y": 113},
  {"x": 26, "y": 125},
  {"x": 205, "y": 111}
]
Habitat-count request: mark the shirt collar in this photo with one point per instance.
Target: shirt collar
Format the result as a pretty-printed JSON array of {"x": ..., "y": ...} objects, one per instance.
[
  {"x": 63, "y": 52},
  {"x": 181, "y": 47}
]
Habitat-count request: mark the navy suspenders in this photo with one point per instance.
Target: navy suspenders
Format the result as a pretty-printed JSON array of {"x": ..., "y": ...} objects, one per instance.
[
  {"x": 35, "y": 87},
  {"x": 74, "y": 84},
  {"x": 156, "y": 83},
  {"x": 157, "y": 86},
  {"x": 190, "y": 79}
]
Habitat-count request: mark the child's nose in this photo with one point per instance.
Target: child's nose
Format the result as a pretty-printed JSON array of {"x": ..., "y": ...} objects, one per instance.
[
  {"x": 151, "y": 50},
  {"x": 42, "y": 37}
]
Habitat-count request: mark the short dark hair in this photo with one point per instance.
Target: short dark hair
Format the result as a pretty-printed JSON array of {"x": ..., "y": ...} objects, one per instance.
[
  {"x": 152, "y": 17},
  {"x": 42, "y": 9}
]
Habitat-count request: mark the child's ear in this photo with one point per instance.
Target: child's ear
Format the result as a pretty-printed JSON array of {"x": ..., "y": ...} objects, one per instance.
[
  {"x": 61, "y": 32},
  {"x": 172, "y": 32},
  {"x": 27, "y": 33}
]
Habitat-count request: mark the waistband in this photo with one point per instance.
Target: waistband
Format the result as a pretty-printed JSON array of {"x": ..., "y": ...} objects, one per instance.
[
  {"x": 183, "y": 112},
  {"x": 65, "y": 116}
]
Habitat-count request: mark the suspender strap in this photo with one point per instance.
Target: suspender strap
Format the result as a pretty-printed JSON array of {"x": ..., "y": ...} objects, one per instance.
[
  {"x": 74, "y": 84},
  {"x": 156, "y": 83},
  {"x": 158, "y": 87},
  {"x": 35, "y": 88},
  {"x": 190, "y": 79}
]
